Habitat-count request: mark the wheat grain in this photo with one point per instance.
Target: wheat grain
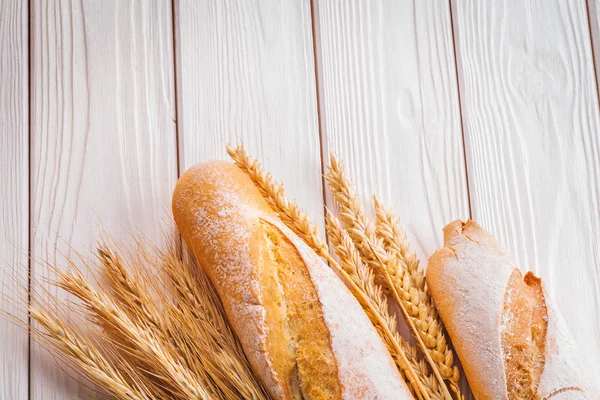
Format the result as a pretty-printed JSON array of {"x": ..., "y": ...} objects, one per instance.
[
  {"x": 416, "y": 308},
  {"x": 422, "y": 371}
]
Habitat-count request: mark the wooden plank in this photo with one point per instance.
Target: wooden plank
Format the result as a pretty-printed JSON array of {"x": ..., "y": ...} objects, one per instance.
[
  {"x": 14, "y": 198},
  {"x": 103, "y": 135},
  {"x": 389, "y": 108},
  {"x": 530, "y": 111},
  {"x": 594, "y": 22},
  {"x": 246, "y": 75}
]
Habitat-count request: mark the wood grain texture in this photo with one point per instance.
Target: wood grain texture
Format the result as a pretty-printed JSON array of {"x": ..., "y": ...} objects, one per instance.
[
  {"x": 530, "y": 112},
  {"x": 593, "y": 7},
  {"x": 103, "y": 136},
  {"x": 389, "y": 108},
  {"x": 14, "y": 198},
  {"x": 245, "y": 74}
]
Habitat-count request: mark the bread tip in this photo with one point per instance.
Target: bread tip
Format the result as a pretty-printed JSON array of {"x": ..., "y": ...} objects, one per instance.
[
  {"x": 205, "y": 165},
  {"x": 196, "y": 175},
  {"x": 531, "y": 279},
  {"x": 457, "y": 228},
  {"x": 452, "y": 230},
  {"x": 208, "y": 169}
]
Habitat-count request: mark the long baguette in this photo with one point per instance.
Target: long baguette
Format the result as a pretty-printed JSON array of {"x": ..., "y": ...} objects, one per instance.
[{"x": 303, "y": 332}]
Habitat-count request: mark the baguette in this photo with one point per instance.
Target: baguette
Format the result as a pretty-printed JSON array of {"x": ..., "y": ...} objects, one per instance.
[
  {"x": 303, "y": 332},
  {"x": 509, "y": 336}
]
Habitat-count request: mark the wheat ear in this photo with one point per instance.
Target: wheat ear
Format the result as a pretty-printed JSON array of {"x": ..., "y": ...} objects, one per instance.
[
  {"x": 288, "y": 211},
  {"x": 172, "y": 327},
  {"x": 84, "y": 355},
  {"x": 128, "y": 289},
  {"x": 395, "y": 240},
  {"x": 427, "y": 320},
  {"x": 191, "y": 320},
  {"x": 375, "y": 305},
  {"x": 389, "y": 269},
  {"x": 165, "y": 334},
  {"x": 141, "y": 342}
]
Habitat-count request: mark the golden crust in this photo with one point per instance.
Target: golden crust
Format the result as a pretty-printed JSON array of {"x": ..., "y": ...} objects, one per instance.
[
  {"x": 220, "y": 215},
  {"x": 469, "y": 299},
  {"x": 304, "y": 333},
  {"x": 524, "y": 322}
]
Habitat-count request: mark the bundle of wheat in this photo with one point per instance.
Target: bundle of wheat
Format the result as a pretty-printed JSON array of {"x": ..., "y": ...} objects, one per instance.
[{"x": 163, "y": 334}]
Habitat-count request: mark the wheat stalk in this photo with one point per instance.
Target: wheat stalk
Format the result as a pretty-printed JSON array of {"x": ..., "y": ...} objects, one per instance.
[{"x": 393, "y": 271}]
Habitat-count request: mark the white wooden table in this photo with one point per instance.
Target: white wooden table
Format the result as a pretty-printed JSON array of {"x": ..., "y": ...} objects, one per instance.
[{"x": 446, "y": 109}]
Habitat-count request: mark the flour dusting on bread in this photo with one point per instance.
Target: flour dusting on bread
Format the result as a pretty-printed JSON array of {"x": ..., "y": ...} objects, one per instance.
[
  {"x": 365, "y": 366},
  {"x": 234, "y": 267},
  {"x": 507, "y": 332}
]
